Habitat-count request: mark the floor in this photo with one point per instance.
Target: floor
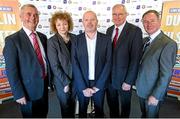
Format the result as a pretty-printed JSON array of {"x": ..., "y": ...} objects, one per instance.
[{"x": 170, "y": 108}]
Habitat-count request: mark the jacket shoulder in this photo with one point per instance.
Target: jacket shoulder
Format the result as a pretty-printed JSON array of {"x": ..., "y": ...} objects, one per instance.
[
  {"x": 41, "y": 34},
  {"x": 52, "y": 37},
  {"x": 13, "y": 36},
  {"x": 110, "y": 28},
  {"x": 133, "y": 27}
]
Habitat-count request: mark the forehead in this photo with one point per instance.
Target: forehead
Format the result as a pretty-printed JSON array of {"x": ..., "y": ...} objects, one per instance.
[
  {"x": 118, "y": 9},
  {"x": 149, "y": 16},
  {"x": 89, "y": 15},
  {"x": 61, "y": 20},
  {"x": 30, "y": 9}
]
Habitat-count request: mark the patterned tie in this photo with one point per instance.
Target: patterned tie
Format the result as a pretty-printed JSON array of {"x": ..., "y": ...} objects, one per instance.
[
  {"x": 38, "y": 52},
  {"x": 115, "y": 37},
  {"x": 147, "y": 43}
]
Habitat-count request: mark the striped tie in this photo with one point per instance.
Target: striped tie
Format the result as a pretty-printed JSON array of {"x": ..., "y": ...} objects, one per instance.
[
  {"x": 38, "y": 52},
  {"x": 147, "y": 43}
]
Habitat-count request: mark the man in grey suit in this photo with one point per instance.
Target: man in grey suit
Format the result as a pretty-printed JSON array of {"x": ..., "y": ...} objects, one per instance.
[{"x": 155, "y": 66}]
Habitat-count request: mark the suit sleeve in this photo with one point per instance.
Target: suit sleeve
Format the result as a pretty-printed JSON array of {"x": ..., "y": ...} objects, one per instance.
[
  {"x": 55, "y": 64},
  {"x": 135, "y": 55},
  {"x": 12, "y": 68},
  {"x": 167, "y": 61},
  {"x": 77, "y": 73}
]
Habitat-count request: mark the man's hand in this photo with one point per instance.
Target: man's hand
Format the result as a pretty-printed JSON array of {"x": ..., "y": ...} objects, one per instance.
[
  {"x": 95, "y": 89},
  {"x": 126, "y": 87},
  {"x": 88, "y": 92},
  {"x": 22, "y": 101},
  {"x": 152, "y": 101}
]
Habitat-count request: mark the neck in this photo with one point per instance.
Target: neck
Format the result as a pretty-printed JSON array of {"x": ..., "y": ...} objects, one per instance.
[
  {"x": 65, "y": 37},
  {"x": 91, "y": 34}
]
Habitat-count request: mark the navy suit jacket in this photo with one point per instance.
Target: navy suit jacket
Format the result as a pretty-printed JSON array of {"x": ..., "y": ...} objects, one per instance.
[
  {"x": 23, "y": 69},
  {"x": 126, "y": 55},
  {"x": 80, "y": 61}
]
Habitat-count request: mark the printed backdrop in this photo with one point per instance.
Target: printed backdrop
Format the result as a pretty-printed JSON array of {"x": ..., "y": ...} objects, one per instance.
[
  {"x": 171, "y": 26},
  {"x": 10, "y": 22}
]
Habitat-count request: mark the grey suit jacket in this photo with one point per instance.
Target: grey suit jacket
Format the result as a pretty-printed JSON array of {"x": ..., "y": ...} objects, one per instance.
[
  {"x": 60, "y": 60},
  {"x": 156, "y": 67}
]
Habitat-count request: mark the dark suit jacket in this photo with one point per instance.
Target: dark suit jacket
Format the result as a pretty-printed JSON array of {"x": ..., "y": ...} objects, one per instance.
[
  {"x": 156, "y": 67},
  {"x": 126, "y": 55},
  {"x": 22, "y": 67},
  {"x": 60, "y": 60},
  {"x": 102, "y": 61}
]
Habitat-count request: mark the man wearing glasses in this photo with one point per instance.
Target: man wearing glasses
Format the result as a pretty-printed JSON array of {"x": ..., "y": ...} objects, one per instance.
[{"x": 127, "y": 50}]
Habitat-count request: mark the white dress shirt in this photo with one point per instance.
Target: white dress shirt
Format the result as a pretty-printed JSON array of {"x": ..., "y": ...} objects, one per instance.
[
  {"x": 91, "y": 48},
  {"x": 119, "y": 31},
  {"x": 154, "y": 35},
  {"x": 28, "y": 32}
]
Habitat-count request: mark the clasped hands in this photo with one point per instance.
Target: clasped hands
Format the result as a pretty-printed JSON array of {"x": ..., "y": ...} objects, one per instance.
[{"x": 88, "y": 92}]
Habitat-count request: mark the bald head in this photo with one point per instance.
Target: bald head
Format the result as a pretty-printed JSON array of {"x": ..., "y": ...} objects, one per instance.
[{"x": 89, "y": 13}]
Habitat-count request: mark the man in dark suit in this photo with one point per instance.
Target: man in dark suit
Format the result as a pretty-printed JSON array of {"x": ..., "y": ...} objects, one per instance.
[
  {"x": 27, "y": 66},
  {"x": 156, "y": 65},
  {"x": 91, "y": 61},
  {"x": 127, "y": 50}
]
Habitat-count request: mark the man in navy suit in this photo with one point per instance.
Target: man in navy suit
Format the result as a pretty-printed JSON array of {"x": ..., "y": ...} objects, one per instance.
[
  {"x": 127, "y": 50},
  {"x": 91, "y": 61},
  {"x": 156, "y": 65},
  {"x": 26, "y": 65}
]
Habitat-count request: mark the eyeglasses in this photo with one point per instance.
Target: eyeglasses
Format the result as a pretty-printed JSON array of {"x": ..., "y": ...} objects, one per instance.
[{"x": 149, "y": 22}]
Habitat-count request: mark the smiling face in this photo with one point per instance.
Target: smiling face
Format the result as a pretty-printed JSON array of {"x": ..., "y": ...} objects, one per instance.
[
  {"x": 90, "y": 22},
  {"x": 62, "y": 26},
  {"x": 119, "y": 15},
  {"x": 29, "y": 17},
  {"x": 151, "y": 23}
]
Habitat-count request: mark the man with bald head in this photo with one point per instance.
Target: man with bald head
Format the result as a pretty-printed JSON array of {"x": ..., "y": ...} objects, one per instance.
[
  {"x": 127, "y": 50},
  {"x": 91, "y": 61}
]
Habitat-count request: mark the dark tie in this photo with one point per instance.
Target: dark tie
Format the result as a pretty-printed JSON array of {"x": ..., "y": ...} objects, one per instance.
[
  {"x": 38, "y": 52},
  {"x": 115, "y": 38},
  {"x": 147, "y": 43}
]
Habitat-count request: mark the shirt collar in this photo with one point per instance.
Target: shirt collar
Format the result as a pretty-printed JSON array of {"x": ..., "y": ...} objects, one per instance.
[
  {"x": 154, "y": 35},
  {"x": 87, "y": 37},
  {"x": 27, "y": 31},
  {"x": 121, "y": 26}
]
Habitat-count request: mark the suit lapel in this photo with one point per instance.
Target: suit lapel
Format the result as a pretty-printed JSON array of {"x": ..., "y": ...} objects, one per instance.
[
  {"x": 110, "y": 33},
  {"x": 26, "y": 41},
  {"x": 63, "y": 46},
  {"x": 155, "y": 43},
  {"x": 98, "y": 48},
  {"x": 122, "y": 36},
  {"x": 84, "y": 51}
]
